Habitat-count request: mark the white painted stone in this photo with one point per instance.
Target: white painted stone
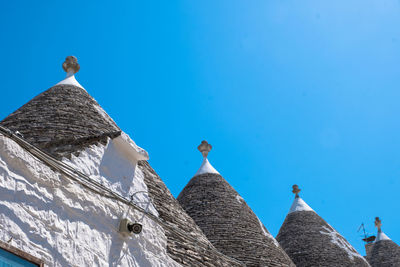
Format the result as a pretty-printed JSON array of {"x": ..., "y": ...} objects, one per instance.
[
  {"x": 56, "y": 219},
  {"x": 267, "y": 234},
  {"x": 381, "y": 236},
  {"x": 239, "y": 199},
  {"x": 338, "y": 240},
  {"x": 299, "y": 205},
  {"x": 206, "y": 168},
  {"x": 70, "y": 79}
]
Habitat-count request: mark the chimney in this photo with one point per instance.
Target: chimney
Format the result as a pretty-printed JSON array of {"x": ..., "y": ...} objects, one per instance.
[
  {"x": 368, "y": 239},
  {"x": 368, "y": 248}
]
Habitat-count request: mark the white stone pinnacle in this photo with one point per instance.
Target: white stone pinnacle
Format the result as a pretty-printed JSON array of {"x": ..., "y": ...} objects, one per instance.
[
  {"x": 71, "y": 66},
  {"x": 205, "y": 167},
  {"x": 299, "y": 205}
]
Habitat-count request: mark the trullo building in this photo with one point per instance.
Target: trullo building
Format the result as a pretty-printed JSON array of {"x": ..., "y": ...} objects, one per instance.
[
  {"x": 310, "y": 241},
  {"x": 227, "y": 220},
  {"x": 75, "y": 190},
  {"x": 73, "y": 187},
  {"x": 383, "y": 252}
]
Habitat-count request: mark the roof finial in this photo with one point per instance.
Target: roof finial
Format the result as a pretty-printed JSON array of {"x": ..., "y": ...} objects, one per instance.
[
  {"x": 71, "y": 65},
  {"x": 296, "y": 190},
  {"x": 204, "y": 148},
  {"x": 378, "y": 224}
]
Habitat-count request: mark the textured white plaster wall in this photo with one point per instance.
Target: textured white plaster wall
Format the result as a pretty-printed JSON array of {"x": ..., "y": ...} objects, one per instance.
[{"x": 56, "y": 219}]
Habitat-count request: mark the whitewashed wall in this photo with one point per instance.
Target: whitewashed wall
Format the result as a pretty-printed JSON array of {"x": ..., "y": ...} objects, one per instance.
[{"x": 54, "y": 218}]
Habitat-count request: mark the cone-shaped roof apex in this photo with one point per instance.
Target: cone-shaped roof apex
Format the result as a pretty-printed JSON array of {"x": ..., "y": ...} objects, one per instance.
[
  {"x": 205, "y": 167},
  {"x": 64, "y": 119},
  {"x": 71, "y": 66},
  {"x": 226, "y": 219},
  {"x": 298, "y": 203},
  {"x": 304, "y": 234},
  {"x": 384, "y": 252},
  {"x": 381, "y": 235}
]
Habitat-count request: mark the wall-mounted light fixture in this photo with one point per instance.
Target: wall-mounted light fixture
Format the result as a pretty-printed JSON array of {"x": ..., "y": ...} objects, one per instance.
[{"x": 127, "y": 227}]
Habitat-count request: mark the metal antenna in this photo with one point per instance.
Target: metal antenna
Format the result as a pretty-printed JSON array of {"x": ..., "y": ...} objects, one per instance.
[
  {"x": 362, "y": 226},
  {"x": 367, "y": 238}
]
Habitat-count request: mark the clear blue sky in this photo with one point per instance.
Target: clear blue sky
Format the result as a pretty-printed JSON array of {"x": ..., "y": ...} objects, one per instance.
[{"x": 287, "y": 92}]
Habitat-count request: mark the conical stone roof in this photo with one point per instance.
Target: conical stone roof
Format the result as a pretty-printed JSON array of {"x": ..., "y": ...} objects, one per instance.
[
  {"x": 384, "y": 252},
  {"x": 62, "y": 120},
  {"x": 226, "y": 219},
  {"x": 310, "y": 241},
  {"x": 65, "y": 120}
]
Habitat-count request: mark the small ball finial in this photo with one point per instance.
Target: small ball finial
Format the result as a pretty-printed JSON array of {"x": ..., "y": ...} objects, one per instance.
[
  {"x": 204, "y": 148},
  {"x": 296, "y": 190},
  {"x": 378, "y": 224},
  {"x": 71, "y": 65}
]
